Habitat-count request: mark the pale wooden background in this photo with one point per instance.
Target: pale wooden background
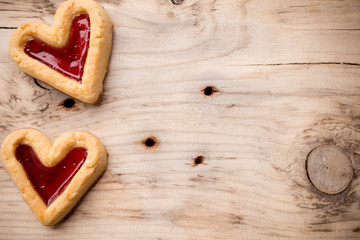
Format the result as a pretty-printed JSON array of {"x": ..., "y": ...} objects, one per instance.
[{"x": 288, "y": 75}]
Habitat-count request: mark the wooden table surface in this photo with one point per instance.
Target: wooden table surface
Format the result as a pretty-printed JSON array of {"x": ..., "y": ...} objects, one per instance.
[{"x": 253, "y": 109}]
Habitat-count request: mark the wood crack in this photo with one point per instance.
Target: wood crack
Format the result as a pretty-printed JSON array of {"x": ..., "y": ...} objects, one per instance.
[
  {"x": 330, "y": 29},
  {"x": 8, "y": 27},
  {"x": 298, "y": 63},
  {"x": 37, "y": 83}
]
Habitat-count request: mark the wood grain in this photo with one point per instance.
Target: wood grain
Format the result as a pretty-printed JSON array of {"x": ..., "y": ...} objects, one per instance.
[{"x": 287, "y": 75}]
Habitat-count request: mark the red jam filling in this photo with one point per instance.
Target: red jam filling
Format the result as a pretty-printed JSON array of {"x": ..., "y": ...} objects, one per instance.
[
  {"x": 50, "y": 182},
  {"x": 69, "y": 60}
]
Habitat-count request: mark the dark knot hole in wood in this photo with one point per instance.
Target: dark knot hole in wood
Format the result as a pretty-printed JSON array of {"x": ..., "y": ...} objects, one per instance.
[
  {"x": 68, "y": 103},
  {"x": 329, "y": 169},
  {"x": 177, "y": 2},
  {"x": 210, "y": 90},
  {"x": 151, "y": 142},
  {"x": 198, "y": 160}
]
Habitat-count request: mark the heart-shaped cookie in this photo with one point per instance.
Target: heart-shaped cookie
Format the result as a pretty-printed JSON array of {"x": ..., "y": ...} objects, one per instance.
[
  {"x": 71, "y": 56},
  {"x": 52, "y": 178}
]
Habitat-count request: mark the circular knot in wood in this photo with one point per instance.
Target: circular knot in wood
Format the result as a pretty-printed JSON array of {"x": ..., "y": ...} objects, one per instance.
[{"x": 329, "y": 169}]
